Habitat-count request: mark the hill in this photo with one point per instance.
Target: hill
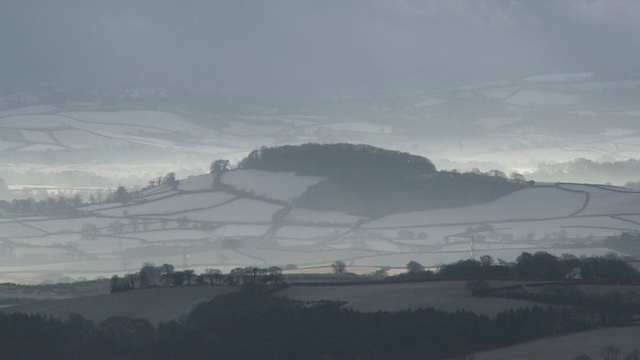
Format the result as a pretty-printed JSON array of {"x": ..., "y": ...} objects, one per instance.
[
  {"x": 249, "y": 216},
  {"x": 369, "y": 181},
  {"x": 590, "y": 343},
  {"x": 153, "y": 304},
  {"x": 397, "y": 310},
  {"x": 68, "y": 140}
]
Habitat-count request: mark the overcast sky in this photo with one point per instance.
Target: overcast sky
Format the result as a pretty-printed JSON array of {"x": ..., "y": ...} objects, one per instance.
[{"x": 294, "y": 47}]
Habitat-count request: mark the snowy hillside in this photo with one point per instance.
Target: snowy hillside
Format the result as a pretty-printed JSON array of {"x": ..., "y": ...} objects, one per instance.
[
  {"x": 508, "y": 125},
  {"x": 253, "y": 223}
]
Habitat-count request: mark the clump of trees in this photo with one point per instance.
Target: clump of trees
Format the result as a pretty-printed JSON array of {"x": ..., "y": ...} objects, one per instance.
[
  {"x": 349, "y": 162},
  {"x": 169, "y": 179},
  {"x": 257, "y": 325},
  {"x": 628, "y": 242},
  {"x": 219, "y": 166},
  {"x": 339, "y": 267},
  {"x": 48, "y": 207},
  {"x": 544, "y": 266},
  {"x": 166, "y": 275}
]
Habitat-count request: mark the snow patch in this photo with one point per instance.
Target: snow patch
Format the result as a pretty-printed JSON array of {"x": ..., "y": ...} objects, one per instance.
[
  {"x": 530, "y": 204},
  {"x": 283, "y": 186}
]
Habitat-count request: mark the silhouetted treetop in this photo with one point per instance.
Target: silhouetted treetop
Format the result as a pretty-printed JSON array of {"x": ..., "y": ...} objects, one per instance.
[{"x": 339, "y": 161}]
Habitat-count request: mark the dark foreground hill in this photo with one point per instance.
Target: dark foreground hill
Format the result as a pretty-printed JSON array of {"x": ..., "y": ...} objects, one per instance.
[
  {"x": 153, "y": 304},
  {"x": 370, "y": 181}
]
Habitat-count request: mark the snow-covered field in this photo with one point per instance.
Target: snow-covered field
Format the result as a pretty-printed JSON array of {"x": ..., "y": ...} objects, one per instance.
[
  {"x": 238, "y": 229},
  {"x": 172, "y": 205},
  {"x": 273, "y": 185},
  {"x": 507, "y": 125},
  {"x": 307, "y": 216},
  {"x": 527, "y": 204},
  {"x": 196, "y": 183},
  {"x": 532, "y": 98},
  {"x": 236, "y": 211}
]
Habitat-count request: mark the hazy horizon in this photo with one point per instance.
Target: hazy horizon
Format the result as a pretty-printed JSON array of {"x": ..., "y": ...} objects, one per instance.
[{"x": 298, "y": 49}]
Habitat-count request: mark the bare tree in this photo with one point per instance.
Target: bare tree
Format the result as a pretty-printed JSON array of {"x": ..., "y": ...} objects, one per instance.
[
  {"x": 214, "y": 276},
  {"x": 166, "y": 272},
  {"x": 149, "y": 275},
  {"x": 89, "y": 232},
  {"x": 188, "y": 275},
  {"x": 414, "y": 267},
  {"x": 339, "y": 267}
]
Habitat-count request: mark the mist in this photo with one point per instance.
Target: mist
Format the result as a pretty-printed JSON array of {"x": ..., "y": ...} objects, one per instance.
[
  {"x": 118, "y": 109},
  {"x": 288, "y": 48}
]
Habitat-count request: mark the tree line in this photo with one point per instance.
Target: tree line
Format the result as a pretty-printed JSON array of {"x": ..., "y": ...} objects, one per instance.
[
  {"x": 540, "y": 265},
  {"x": 50, "y": 206},
  {"x": 259, "y": 325},
  {"x": 166, "y": 275}
]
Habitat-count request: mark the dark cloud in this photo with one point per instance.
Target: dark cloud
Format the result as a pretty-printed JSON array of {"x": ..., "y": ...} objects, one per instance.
[{"x": 294, "y": 47}]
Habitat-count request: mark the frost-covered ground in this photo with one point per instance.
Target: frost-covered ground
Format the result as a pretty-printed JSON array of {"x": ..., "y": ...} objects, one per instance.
[
  {"x": 507, "y": 125},
  {"x": 198, "y": 225},
  {"x": 278, "y": 186}
]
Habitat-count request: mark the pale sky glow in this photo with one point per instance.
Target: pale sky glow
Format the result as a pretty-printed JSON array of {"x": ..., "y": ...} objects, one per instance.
[{"x": 297, "y": 48}]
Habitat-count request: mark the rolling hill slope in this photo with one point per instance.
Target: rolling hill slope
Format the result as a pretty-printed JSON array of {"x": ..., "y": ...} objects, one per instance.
[{"x": 255, "y": 217}]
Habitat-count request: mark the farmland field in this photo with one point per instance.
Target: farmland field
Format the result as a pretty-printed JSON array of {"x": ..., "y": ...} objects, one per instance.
[
  {"x": 155, "y": 304},
  {"x": 589, "y": 343},
  {"x": 447, "y": 296}
]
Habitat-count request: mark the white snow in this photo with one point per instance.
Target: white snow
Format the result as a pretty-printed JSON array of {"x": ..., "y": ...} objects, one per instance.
[
  {"x": 41, "y": 147},
  {"x": 14, "y": 230},
  {"x": 533, "y": 98},
  {"x": 429, "y": 102},
  {"x": 566, "y": 77},
  {"x": 33, "y": 122},
  {"x": 530, "y": 204},
  {"x": 171, "y": 234},
  {"x": 252, "y": 129},
  {"x": 219, "y": 257},
  {"x": 360, "y": 127},
  {"x": 148, "y": 119},
  {"x": 308, "y": 232},
  {"x": 28, "y": 253},
  {"x": 71, "y": 224},
  {"x": 283, "y": 186},
  {"x": 240, "y": 210},
  {"x": 172, "y": 205},
  {"x": 240, "y": 230},
  {"x": 37, "y": 137},
  {"x": 107, "y": 245},
  {"x": 157, "y": 195},
  {"x": 604, "y": 201},
  {"x": 493, "y": 123},
  {"x": 49, "y": 240},
  {"x": 29, "y": 110},
  {"x": 296, "y": 242},
  {"x": 4, "y": 145},
  {"x": 79, "y": 139},
  {"x": 308, "y": 216},
  {"x": 196, "y": 183}
]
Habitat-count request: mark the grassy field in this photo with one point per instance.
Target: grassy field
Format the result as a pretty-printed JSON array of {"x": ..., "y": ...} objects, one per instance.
[
  {"x": 54, "y": 291},
  {"x": 589, "y": 343},
  {"x": 163, "y": 304},
  {"x": 155, "y": 304},
  {"x": 446, "y": 296}
]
